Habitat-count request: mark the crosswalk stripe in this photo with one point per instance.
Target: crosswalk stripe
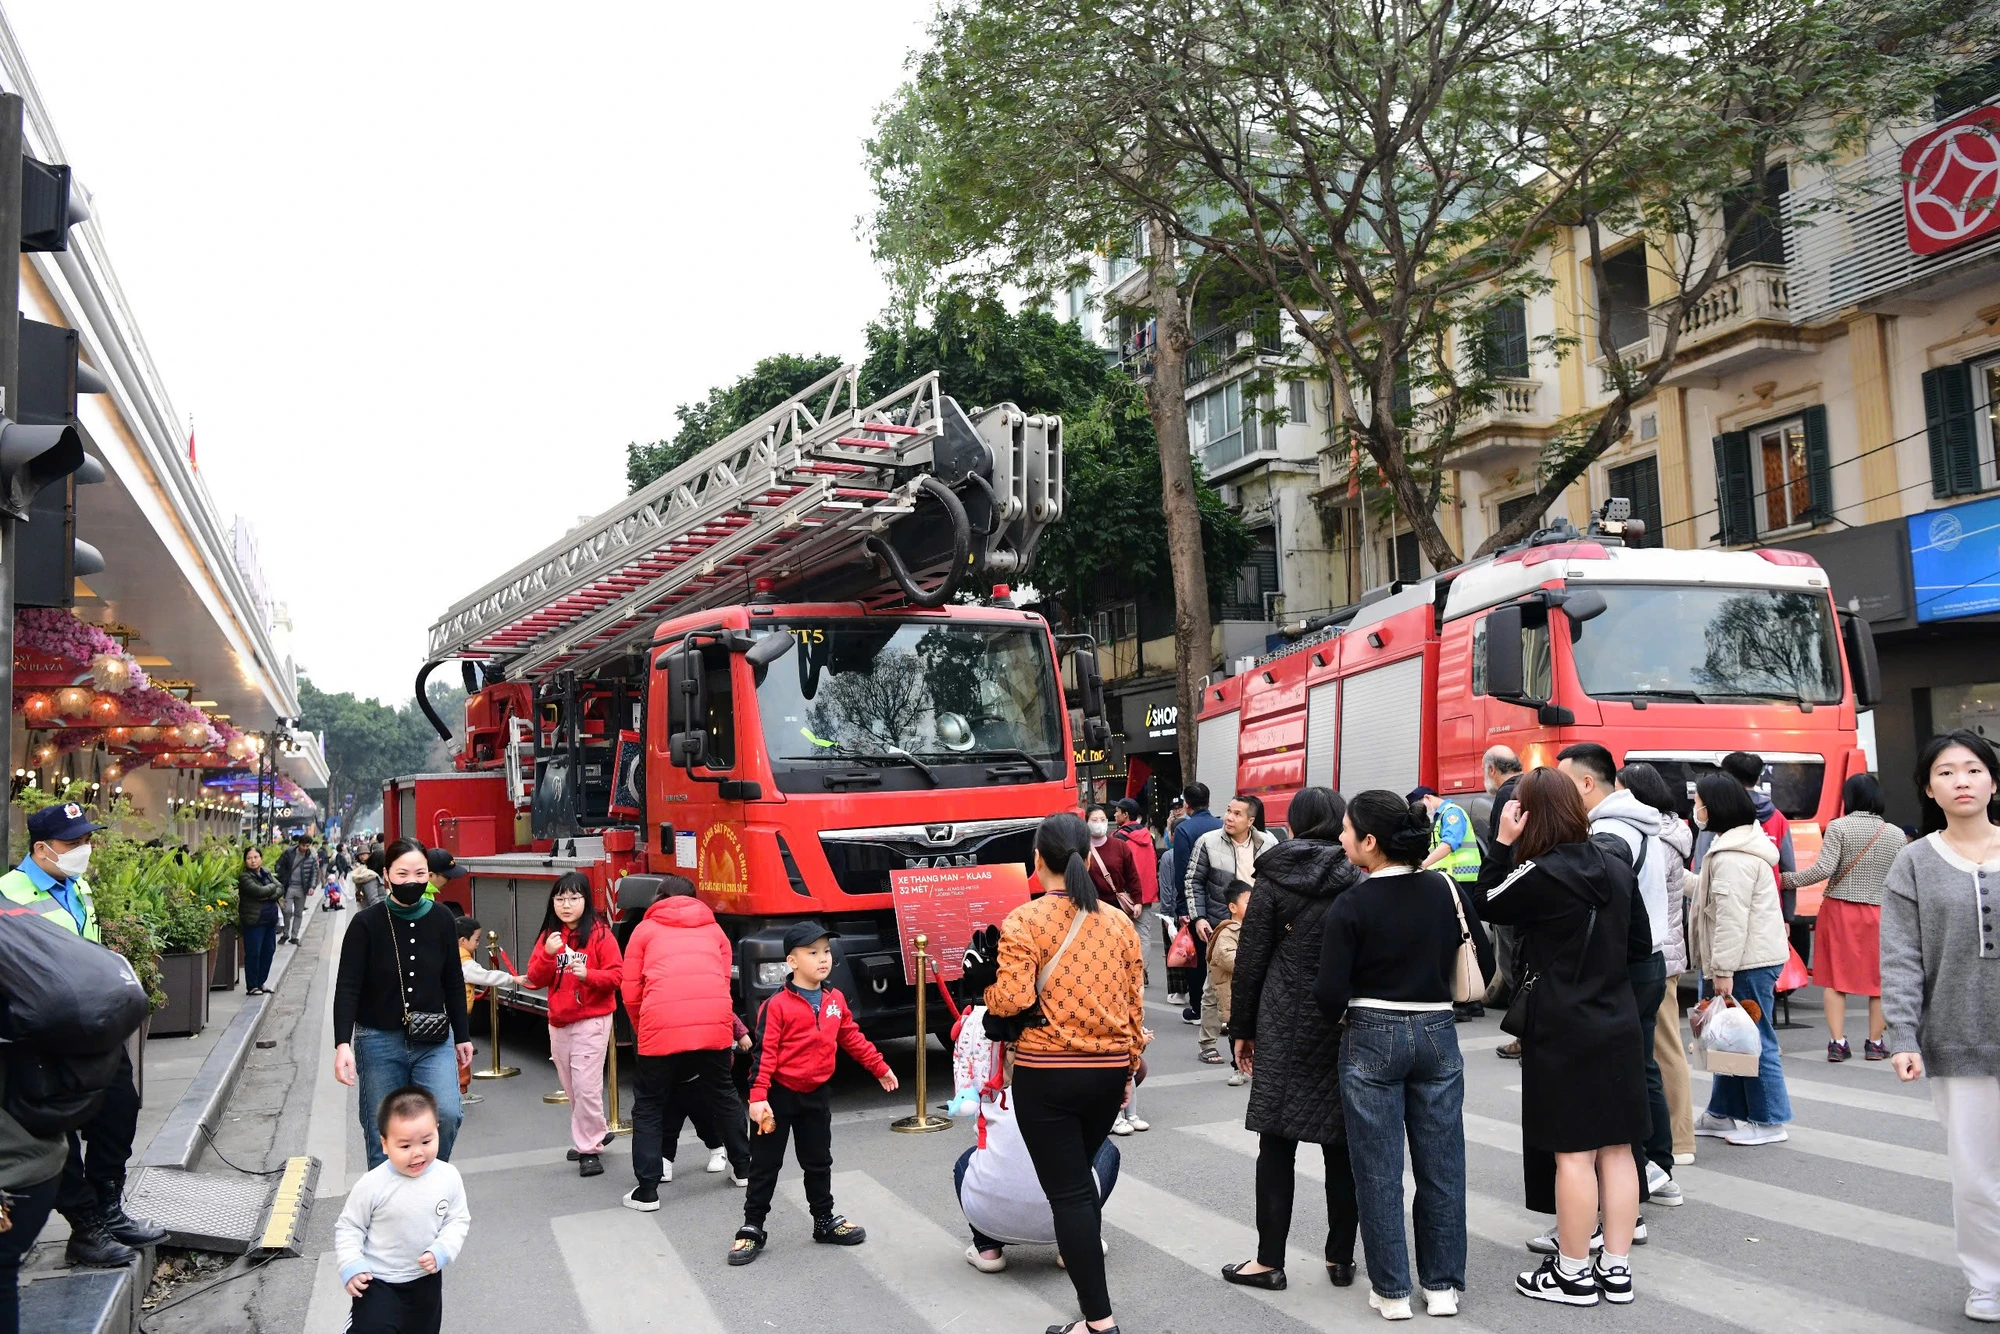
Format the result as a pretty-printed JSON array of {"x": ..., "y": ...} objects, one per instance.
[
  {"x": 1867, "y": 1153},
  {"x": 629, "y": 1277},
  {"x": 924, "y": 1265},
  {"x": 1203, "y": 1240},
  {"x": 1695, "y": 1284},
  {"x": 1774, "y": 1204}
]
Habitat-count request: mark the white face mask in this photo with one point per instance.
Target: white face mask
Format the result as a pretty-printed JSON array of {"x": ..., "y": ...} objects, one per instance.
[
  {"x": 74, "y": 862},
  {"x": 1097, "y": 828}
]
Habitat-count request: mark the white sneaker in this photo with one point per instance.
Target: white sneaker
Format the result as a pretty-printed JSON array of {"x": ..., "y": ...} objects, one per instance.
[
  {"x": 1132, "y": 1120},
  {"x": 1177, "y": 998},
  {"x": 1121, "y": 1126},
  {"x": 1683, "y": 1160},
  {"x": 651, "y": 1206},
  {"x": 1237, "y": 1079},
  {"x": 1751, "y": 1133},
  {"x": 666, "y": 1170},
  {"x": 982, "y": 1264},
  {"x": 735, "y": 1180},
  {"x": 1392, "y": 1308},
  {"x": 717, "y": 1160},
  {"x": 1983, "y": 1307},
  {"x": 1440, "y": 1301},
  {"x": 1662, "y": 1187},
  {"x": 1715, "y": 1127}
]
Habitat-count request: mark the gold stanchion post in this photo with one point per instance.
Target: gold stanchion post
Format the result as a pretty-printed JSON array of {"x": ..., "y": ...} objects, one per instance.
[
  {"x": 498, "y": 1071},
  {"x": 613, "y": 1125},
  {"x": 924, "y": 1121}
]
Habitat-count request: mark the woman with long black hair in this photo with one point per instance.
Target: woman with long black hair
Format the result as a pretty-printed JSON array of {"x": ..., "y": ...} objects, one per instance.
[
  {"x": 1576, "y": 907},
  {"x": 578, "y": 960},
  {"x": 1286, "y": 1043},
  {"x": 1941, "y": 990},
  {"x": 1386, "y": 965},
  {"x": 1081, "y": 962},
  {"x": 399, "y": 1000}
]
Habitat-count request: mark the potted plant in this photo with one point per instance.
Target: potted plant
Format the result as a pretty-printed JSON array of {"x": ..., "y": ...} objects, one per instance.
[
  {"x": 186, "y": 932},
  {"x": 211, "y": 875}
]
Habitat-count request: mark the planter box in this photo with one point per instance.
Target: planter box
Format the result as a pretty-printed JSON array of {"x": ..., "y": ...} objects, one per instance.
[
  {"x": 228, "y": 959},
  {"x": 185, "y": 979}
]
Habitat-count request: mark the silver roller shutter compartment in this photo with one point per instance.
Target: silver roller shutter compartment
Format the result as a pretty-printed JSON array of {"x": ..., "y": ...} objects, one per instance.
[
  {"x": 1322, "y": 719},
  {"x": 1381, "y": 728},
  {"x": 1215, "y": 760}
]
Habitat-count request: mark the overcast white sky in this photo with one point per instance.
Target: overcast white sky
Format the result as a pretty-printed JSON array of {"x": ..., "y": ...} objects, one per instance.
[{"x": 418, "y": 271}]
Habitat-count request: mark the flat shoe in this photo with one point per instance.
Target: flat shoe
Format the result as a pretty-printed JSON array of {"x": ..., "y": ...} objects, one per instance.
[
  {"x": 1271, "y": 1280},
  {"x": 1341, "y": 1274}
]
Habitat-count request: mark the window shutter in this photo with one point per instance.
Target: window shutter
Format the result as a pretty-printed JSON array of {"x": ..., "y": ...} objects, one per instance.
[
  {"x": 1735, "y": 488},
  {"x": 1948, "y": 422},
  {"x": 1819, "y": 465}
]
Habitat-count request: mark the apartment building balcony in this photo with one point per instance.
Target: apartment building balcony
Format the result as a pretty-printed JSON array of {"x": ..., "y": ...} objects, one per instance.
[
  {"x": 1220, "y": 351},
  {"x": 1518, "y": 417},
  {"x": 1744, "y": 318}
]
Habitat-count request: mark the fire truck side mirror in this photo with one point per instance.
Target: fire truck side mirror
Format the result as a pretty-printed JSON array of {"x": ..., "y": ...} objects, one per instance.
[
  {"x": 689, "y": 748},
  {"x": 1857, "y": 637},
  {"x": 1503, "y": 655},
  {"x": 687, "y": 706},
  {"x": 1583, "y": 605},
  {"x": 769, "y": 649},
  {"x": 1083, "y": 684}
]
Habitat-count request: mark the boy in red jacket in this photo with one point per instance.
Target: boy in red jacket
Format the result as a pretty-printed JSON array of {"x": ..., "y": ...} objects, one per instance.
[{"x": 798, "y": 1032}]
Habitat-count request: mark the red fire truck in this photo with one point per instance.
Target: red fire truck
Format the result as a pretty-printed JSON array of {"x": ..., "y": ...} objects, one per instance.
[
  {"x": 1672, "y": 657},
  {"x": 760, "y": 672}
]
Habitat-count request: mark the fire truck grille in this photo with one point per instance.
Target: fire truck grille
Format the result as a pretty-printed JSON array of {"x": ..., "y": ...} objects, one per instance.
[
  {"x": 862, "y": 859},
  {"x": 1795, "y": 785}
]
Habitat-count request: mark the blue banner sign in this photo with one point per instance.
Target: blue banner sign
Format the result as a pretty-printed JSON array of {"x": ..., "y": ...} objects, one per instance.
[{"x": 1955, "y": 560}]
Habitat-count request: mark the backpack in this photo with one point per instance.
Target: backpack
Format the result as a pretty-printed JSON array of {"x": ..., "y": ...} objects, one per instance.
[{"x": 52, "y": 1093}]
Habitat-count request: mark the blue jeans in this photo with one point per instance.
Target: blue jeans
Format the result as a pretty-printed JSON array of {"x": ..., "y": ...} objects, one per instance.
[
  {"x": 384, "y": 1062},
  {"x": 260, "y": 944},
  {"x": 1401, "y": 1076},
  {"x": 1105, "y": 1167},
  {"x": 1763, "y": 1099}
]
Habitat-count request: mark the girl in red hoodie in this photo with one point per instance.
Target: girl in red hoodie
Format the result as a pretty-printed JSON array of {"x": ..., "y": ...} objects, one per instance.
[{"x": 578, "y": 961}]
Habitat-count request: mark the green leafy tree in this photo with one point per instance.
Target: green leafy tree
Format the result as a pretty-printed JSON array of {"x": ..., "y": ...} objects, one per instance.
[
  {"x": 368, "y": 742},
  {"x": 769, "y": 383}
]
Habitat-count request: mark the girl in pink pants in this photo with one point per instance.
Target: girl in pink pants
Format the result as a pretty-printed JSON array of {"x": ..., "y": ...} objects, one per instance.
[{"x": 579, "y": 962}]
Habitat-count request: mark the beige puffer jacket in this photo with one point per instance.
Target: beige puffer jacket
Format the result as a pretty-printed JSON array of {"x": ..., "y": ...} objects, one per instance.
[{"x": 1735, "y": 920}]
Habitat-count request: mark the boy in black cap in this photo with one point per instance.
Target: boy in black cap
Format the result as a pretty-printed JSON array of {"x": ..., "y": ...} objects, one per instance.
[
  {"x": 799, "y": 1030},
  {"x": 444, "y": 867}
]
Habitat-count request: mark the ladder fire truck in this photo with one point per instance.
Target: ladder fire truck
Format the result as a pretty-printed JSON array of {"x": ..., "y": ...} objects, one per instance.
[
  {"x": 765, "y": 672},
  {"x": 1672, "y": 657}
]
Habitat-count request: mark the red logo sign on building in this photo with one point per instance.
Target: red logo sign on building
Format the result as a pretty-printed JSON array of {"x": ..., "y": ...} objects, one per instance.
[{"x": 1951, "y": 183}]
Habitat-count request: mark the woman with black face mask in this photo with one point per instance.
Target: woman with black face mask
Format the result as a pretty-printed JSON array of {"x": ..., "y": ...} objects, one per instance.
[{"x": 395, "y": 1025}]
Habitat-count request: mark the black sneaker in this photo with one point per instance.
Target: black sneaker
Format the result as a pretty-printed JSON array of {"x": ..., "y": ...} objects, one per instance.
[
  {"x": 1550, "y": 1284},
  {"x": 1614, "y": 1281},
  {"x": 645, "y": 1197},
  {"x": 590, "y": 1165},
  {"x": 837, "y": 1231},
  {"x": 1191, "y": 1014}
]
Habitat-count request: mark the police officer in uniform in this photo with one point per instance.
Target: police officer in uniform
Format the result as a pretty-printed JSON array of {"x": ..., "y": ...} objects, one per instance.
[
  {"x": 1455, "y": 851},
  {"x": 50, "y": 881}
]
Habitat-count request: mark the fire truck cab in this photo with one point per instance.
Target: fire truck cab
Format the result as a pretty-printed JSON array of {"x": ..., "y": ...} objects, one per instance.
[{"x": 1672, "y": 657}]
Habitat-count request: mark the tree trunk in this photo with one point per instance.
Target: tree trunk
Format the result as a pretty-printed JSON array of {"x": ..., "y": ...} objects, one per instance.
[{"x": 1166, "y": 399}]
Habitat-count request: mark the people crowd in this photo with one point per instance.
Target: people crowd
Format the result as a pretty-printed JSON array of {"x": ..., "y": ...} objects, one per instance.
[{"x": 1327, "y": 955}]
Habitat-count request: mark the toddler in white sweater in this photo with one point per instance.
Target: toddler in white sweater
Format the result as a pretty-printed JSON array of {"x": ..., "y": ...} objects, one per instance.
[{"x": 404, "y": 1222}]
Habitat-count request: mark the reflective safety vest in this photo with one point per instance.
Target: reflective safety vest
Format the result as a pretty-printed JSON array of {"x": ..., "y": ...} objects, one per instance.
[
  {"x": 16, "y": 888},
  {"x": 1462, "y": 864}
]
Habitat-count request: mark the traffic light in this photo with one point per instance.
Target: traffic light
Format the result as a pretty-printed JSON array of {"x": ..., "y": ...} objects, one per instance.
[
  {"x": 48, "y": 209},
  {"x": 48, "y": 556}
]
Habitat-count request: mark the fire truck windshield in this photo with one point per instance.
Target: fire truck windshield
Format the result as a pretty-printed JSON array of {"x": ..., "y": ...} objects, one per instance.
[
  {"x": 927, "y": 695},
  {"x": 1704, "y": 644}
]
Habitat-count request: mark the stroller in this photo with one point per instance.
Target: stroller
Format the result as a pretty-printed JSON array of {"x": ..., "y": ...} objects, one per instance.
[{"x": 333, "y": 903}]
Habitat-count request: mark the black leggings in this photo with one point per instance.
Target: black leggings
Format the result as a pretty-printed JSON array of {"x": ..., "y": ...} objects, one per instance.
[
  {"x": 1276, "y": 1156},
  {"x": 1063, "y": 1116}
]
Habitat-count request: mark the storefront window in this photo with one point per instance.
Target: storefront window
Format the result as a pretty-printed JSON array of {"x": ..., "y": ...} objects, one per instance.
[{"x": 1974, "y": 708}]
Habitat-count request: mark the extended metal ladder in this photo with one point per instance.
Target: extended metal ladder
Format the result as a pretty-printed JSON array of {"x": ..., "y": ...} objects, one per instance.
[{"x": 802, "y": 489}]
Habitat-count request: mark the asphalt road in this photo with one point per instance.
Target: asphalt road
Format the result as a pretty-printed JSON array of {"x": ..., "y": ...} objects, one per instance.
[{"x": 1845, "y": 1228}]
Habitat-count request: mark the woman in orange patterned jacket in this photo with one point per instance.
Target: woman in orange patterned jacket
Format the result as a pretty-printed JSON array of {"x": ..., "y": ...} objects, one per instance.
[{"x": 1082, "y": 961}]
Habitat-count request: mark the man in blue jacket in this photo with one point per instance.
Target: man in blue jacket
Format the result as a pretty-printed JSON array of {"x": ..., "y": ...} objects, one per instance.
[{"x": 1197, "y": 822}]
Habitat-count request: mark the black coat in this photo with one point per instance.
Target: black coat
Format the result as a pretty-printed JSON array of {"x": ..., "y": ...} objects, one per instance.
[
  {"x": 1583, "y": 1082},
  {"x": 1296, "y": 1088}
]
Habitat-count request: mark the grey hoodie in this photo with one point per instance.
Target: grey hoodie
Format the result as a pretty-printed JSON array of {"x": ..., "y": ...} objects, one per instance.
[
  {"x": 1635, "y": 825},
  {"x": 1940, "y": 965}
]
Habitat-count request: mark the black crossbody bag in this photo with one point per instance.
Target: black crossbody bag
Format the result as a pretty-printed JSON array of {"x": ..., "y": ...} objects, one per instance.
[{"x": 426, "y": 1028}]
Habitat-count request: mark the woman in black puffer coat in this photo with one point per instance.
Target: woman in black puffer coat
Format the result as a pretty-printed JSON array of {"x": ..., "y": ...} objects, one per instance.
[{"x": 1284, "y": 1041}]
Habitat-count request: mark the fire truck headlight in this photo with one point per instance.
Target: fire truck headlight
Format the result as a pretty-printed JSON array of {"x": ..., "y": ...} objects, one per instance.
[{"x": 773, "y": 974}]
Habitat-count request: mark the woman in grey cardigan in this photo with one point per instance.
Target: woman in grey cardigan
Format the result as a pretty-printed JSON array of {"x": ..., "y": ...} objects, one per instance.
[
  {"x": 1941, "y": 987},
  {"x": 1854, "y": 859}
]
